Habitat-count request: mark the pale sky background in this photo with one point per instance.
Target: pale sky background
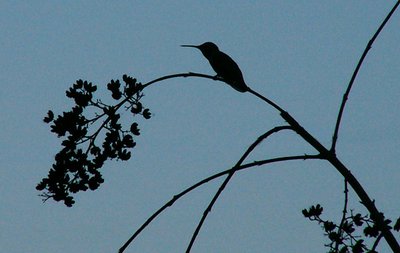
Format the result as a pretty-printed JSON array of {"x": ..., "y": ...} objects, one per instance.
[{"x": 298, "y": 53}]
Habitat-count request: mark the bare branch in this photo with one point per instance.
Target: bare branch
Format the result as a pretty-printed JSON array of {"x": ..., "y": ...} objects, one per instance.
[
  {"x": 206, "y": 180},
  {"x": 376, "y": 243},
  {"x": 228, "y": 178},
  {"x": 326, "y": 154},
  {"x": 351, "y": 179},
  {"x": 233, "y": 169},
  {"x": 268, "y": 101},
  {"x": 344, "y": 212},
  {"x": 189, "y": 74},
  {"x": 353, "y": 77}
]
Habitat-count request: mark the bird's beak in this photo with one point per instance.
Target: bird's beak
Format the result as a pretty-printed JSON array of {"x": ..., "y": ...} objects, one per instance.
[{"x": 190, "y": 46}]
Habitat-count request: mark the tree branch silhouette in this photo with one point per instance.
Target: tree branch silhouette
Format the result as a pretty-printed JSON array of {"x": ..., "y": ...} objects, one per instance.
[
  {"x": 353, "y": 77},
  {"x": 229, "y": 177},
  {"x": 353, "y": 182},
  {"x": 342, "y": 169},
  {"x": 189, "y": 74},
  {"x": 344, "y": 213},
  {"x": 230, "y": 174},
  {"x": 76, "y": 168},
  {"x": 208, "y": 179},
  {"x": 295, "y": 126}
]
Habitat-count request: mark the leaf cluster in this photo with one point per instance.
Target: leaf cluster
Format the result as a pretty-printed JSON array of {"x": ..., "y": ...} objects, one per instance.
[
  {"x": 347, "y": 236},
  {"x": 85, "y": 147}
]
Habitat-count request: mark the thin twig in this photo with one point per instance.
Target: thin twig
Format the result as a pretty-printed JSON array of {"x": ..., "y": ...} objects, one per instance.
[
  {"x": 344, "y": 212},
  {"x": 235, "y": 168},
  {"x": 346, "y": 173},
  {"x": 192, "y": 74},
  {"x": 376, "y": 243},
  {"x": 189, "y": 74},
  {"x": 353, "y": 77},
  {"x": 268, "y": 101},
  {"x": 351, "y": 179},
  {"x": 325, "y": 153},
  {"x": 228, "y": 178},
  {"x": 206, "y": 180}
]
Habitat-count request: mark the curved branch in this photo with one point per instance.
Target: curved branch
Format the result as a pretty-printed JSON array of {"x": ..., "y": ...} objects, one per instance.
[
  {"x": 189, "y": 74},
  {"x": 351, "y": 179},
  {"x": 206, "y": 180},
  {"x": 376, "y": 243},
  {"x": 330, "y": 156},
  {"x": 228, "y": 178},
  {"x": 353, "y": 77},
  {"x": 235, "y": 168},
  {"x": 325, "y": 153},
  {"x": 216, "y": 78},
  {"x": 268, "y": 101}
]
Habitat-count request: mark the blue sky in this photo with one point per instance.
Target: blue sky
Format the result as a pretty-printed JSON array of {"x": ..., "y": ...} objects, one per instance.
[{"x": 300, "y": 54}]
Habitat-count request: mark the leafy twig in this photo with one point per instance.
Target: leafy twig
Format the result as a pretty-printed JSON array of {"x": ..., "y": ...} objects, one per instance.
[{"x": 344, "y": 212}]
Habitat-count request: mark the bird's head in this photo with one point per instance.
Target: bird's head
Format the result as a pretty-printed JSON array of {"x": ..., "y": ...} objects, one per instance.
[{"x": 207, "y": 48}]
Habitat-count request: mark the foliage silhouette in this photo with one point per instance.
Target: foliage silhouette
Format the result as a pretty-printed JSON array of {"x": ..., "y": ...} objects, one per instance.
[{"x": 77, "y": 165}]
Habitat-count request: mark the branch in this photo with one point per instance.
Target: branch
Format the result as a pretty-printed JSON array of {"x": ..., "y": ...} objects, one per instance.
[
  {"x": 376, "y": 243},
  {"x": 268, "y": 101},
  {"x": 346, "y": 173},
  {"x": 234, "y": 169},
  {"x": 228, "y": 178},
  {"x": 353, "y": 77},
  {"x": 189, "y": 74},
  {"x": 324, "y": 153},
  {"x": 342, "y": 169},
  {"x": 206, "y": 180},
  {"x": 344, "y": 212}
]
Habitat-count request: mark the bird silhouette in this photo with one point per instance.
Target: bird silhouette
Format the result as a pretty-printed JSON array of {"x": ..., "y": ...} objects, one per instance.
[{"x": 223, "y": 65}]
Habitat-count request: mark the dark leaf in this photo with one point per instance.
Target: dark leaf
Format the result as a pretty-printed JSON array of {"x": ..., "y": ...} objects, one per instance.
[
  {"x": 42, "y": 185},
  {"x": 371, "y": 231},
  {"x": 113, "y": 86},
  {"x": 93, "y": 183},
  {"x": 129, "y": 80},
  {"x": 357, "y": 219},
  {"x": 334, "y": 237},
  {"x": 397, "y": 225},
  {"x": 348, "y": 227},
  {"x": 134, "y": 129},
  {"x": 358, "y": 247},
  {"x": 306, "y": 213},
  {"x": 89, "y": 87},
  {"x": 82, "y": 99},
  {"x": 49, "y": 118},
  {"x": 124, "y": 155},
  {"x": 128, "y": 142},
  {"x": 116, "y": 95},
  {"x": 136, "y": 108},
  {"x": 69, "y": 201},
  {"x": 146, "y": 113},
  {"x": 95, "y": 150},
  {"x": 78, "y": 84},
  {"x": 344, "y": 249},
  {"x": 329, "y": 226}
]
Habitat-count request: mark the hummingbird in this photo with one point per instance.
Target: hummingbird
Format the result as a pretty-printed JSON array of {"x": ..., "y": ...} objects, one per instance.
[{"x": 225, "y": 67}]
